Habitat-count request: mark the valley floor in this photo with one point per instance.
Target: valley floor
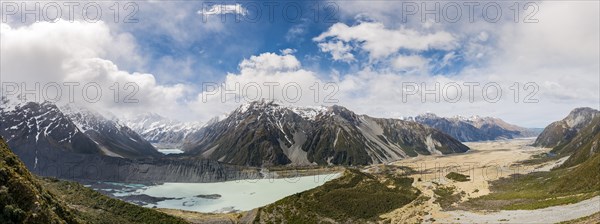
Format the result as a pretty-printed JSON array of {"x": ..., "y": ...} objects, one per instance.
[{"x": 486, "y": 162}]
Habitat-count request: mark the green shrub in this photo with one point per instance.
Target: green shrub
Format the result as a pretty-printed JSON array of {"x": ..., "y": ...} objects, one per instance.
[{"x": 457, "y": 177}]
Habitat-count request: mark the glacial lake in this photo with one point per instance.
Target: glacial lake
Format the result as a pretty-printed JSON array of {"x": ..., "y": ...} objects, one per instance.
[
  {"x": 240, "y": 195},
  {"x": 170, "y": 151}
]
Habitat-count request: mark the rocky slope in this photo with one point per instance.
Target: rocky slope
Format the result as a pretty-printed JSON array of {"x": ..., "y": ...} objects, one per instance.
[
  {"x": 584, "y": 144},
  {"x": 160, "y": 131},
  {"x": 268, "y": 133},
  {"x": 563, "y": 131},
  {"x": 475, "y": 128}
]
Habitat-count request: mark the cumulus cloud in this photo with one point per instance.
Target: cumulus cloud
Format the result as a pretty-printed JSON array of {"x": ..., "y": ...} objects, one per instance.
[
  {"x": 409, "y": 62},
  {"x": 220, "y": 9},
  {"x": 83, "y": 54},
  {"x": 270, "y": 62},
  {"x": 288, "y": 51},
  {"x": 339, "y": 50},
  {"x": 381, "y": 42},
  {"x": 266, "y": 76},
  {"x": 296, "y": 32}
]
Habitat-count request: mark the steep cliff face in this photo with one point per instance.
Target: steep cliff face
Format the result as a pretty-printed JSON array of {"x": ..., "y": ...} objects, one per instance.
[
  {"x": 77, "y": 166},
  {"x": 268, "y": 133},
  {"x": 563, "y": 131},
  {"x": 103, "y": 168}
]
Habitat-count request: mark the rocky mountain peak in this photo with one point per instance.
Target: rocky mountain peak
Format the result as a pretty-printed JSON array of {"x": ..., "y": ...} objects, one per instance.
[
  {"x": 162, "y": 132},
  {"x": 560, "y": 132},
  {"x": 580, "y": 116},
  {"x": 275, "y": 107},
  {"x": 427, "y": 115},
  {"x": 342, "y": 112}
]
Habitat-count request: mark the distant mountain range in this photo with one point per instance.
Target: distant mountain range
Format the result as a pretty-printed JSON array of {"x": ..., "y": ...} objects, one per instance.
[
  {"x": 162, "y": 132},
  {"x": 269, "y": 133},
  {"x": 261, "y": 133},
  {"x": 474, "y": 128}
]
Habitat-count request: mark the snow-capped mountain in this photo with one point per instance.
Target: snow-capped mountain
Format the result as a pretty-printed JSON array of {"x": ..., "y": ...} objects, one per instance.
[
  {"x": 561, "y": 132},
  {"x": 115, "y": 139},
  {"x": 73, "y": 142},
  {"x": 474, "y": 128},
  {"x": 43, "y": 130},
  {"x": 162, "y": 132},
  {"x": 33, "y": 127},
  {"x": 269, "y": 133}
]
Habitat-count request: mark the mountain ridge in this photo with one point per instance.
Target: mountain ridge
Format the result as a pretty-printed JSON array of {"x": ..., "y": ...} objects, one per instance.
[
  {"x": 161, "y": 131},
  {"x": 268, "y": 133},
  {"x": 562, "y": 131},
  {"x": 113, "y": 137}
]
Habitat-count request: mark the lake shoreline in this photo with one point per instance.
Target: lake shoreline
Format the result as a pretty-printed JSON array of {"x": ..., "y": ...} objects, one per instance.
[{"x": 216, "y": 197}]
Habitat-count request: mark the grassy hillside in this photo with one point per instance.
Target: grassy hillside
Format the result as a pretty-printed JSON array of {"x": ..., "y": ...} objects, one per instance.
[
  {"x": 354, "y": 197},
  {"x": 538, "y": 190},
  {"x": 94, "y": 207},
  {"x": 23, "y": 199},
  {"x": 26, "y": 199}
]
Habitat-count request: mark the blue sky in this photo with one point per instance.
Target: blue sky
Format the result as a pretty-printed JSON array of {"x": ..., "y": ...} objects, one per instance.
[
  {"x": 216, "y": 53},
  {"x": 219, "y": 52},
  {"x": 371, "y": 52}
]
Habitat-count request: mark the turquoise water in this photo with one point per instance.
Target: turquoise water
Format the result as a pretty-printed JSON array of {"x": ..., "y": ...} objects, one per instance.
[
  {"x": 170, "y": 151},
  {"x": 241, "y": 195}
]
